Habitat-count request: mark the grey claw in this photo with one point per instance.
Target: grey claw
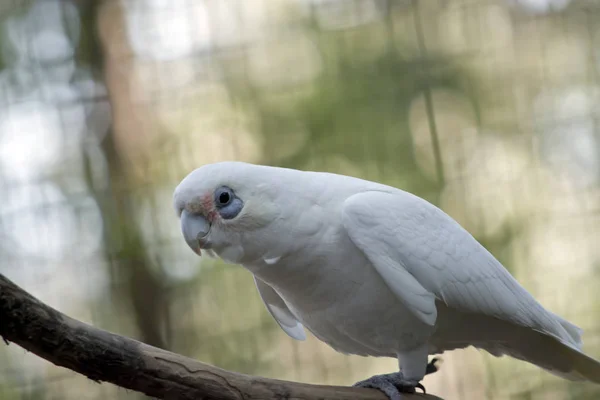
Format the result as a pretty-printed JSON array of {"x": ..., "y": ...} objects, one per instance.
[
  {"x": 431, "y": 367},
  {"x": 393, "y": 385}
]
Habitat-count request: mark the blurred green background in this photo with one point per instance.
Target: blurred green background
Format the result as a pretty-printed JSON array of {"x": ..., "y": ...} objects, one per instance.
[{"x": 489, "y": 109}]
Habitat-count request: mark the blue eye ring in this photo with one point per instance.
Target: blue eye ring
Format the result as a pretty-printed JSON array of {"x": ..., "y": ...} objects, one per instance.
[
  {"x": 227, "y": 203},
  {"x": 223, "y": 196}
]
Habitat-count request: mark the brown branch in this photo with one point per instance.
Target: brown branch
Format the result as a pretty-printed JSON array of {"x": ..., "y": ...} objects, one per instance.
[{"x": 104, "y": 356}]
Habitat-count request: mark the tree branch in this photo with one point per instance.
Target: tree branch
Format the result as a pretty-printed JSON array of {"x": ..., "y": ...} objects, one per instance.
[{"x": 104, "y": 356}]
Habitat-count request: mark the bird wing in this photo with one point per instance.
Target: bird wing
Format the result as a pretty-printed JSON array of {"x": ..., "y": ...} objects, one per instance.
[
  {"x": 424, "y": 255},
  {"x": 280, "y": 311}
]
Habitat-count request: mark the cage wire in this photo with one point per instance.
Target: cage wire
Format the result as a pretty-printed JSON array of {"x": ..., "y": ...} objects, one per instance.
[{"x": 488, "y": 109}]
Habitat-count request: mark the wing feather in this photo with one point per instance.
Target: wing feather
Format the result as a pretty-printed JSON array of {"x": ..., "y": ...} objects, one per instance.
[
  {"x": 424, "y": 255},
  {"x": 280, "y": 311}
]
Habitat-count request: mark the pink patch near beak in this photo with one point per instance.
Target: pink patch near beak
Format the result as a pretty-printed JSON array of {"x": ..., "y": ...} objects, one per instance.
[{"x": 209, "y": 207}]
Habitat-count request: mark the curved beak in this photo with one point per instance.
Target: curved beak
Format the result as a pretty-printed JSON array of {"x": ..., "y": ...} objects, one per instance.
[{"x": 194, "y": 228}]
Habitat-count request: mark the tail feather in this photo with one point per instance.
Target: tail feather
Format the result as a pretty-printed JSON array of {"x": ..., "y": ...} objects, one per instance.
[
  {"x": 574, "y": 364},
  {"x": 557, "y": 356},
  {"x": 584, "y": 368},
  {"x": 574, "y": 331},
  {"x": 558, "y": 353}
]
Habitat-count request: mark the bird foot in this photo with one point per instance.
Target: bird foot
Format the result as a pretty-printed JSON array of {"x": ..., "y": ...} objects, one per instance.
[{"x": 393, "y": 385}]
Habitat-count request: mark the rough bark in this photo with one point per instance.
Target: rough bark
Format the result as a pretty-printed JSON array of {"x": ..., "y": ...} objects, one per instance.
[{"x": 105, "y": 356}]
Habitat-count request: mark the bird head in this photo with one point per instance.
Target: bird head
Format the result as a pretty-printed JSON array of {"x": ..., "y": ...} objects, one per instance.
[{"x": 221, "y": 204}]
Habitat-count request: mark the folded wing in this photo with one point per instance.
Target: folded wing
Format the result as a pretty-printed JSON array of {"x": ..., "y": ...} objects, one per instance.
[
  {"x": 424, "y": 255},
  {"x": 280, "y": 311}
]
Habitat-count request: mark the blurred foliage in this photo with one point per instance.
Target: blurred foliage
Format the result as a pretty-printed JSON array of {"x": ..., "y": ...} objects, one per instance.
[
  {"x": 89, "y": 50},
  {"x": 361, "y": 114}
]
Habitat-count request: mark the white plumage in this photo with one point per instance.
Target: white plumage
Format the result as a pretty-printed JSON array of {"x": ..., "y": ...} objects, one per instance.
[{"x": 372, "y": 270}]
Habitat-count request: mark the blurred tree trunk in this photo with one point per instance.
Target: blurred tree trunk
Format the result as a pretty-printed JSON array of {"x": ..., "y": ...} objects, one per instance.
[{"x": 134, "y": 279}]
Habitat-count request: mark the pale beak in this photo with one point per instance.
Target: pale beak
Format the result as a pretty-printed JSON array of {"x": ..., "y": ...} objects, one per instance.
[{"x": 195, "y": 228}]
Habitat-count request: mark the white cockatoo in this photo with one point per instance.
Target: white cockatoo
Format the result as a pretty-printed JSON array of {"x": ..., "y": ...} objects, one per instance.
[{"x": 370, "y": 270}]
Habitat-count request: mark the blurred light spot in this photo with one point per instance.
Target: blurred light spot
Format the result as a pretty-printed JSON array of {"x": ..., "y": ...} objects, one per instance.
[
  {"x": 57, "y": 15},
  {"x": 48, "y": 46},
  {"x": 236, "y": 23},
  {"x": 151, "y": 82},
  {"x": 94, "y": 103},
  {"x": 59, "y": 238},
  {"x": 562, "y": 252},
  {"x": 40, "y": 221},
  {"x": 343, "y": 14},
  {"x": 540, "y": 6},
  {"x": 47, "y": 33},
  {"x": 492, "y": 23},
  {"x": 569, "y": 134},
  {"x": 569, "y": 55},
  {"x": 215, "y": 133},
  {"x": 29, "y": 142},
  {"x": 181, "y": 267},
  {"x": 495, "y": 185},
  {"x": 57, "y": 93},
  {"x": 166, "y": 30},
  {"x": 455, "y": 122},
  {"x": 287, "y": 60}
]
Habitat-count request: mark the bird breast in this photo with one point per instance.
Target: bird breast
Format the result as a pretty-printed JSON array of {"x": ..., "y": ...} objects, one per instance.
[{"x": 342, "y": 300}]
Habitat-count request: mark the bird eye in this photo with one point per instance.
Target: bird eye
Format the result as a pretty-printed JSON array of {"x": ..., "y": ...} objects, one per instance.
[
  {"x": 227, "y": 203},
  {"x": 223, "y": 196}
]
